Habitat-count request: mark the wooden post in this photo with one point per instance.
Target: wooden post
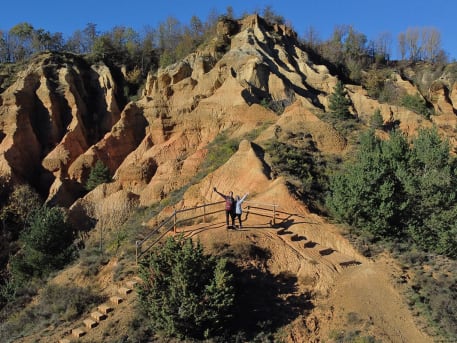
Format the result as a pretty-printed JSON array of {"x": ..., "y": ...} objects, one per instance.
[
  {"x": 274, "y": 214},
  {"x": 136, "y": 252},
  {"x": 174, "y": 222},
  {"x": 204, "y": 212}
]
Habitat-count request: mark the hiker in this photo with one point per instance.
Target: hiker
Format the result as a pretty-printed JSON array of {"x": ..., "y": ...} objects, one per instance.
[
  {"x": 229, "y": 207},
  {"x": 238, "y": 210}
]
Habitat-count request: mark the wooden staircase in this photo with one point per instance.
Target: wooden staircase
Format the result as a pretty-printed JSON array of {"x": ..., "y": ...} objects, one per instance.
[{"x": 101, "y": 313}]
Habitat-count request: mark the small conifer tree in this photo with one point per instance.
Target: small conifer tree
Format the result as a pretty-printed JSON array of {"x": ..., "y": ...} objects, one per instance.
[
  {"x": 186, "y": 293},
  {"x": 47, "y": 244},
  {"x": 98, "y": 174},
  {"x": 339, "y": 102}
]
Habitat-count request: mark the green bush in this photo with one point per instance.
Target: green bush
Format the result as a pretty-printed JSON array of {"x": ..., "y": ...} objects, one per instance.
[
  {"x": 416, "y": 103},
  {"x": 277, "y": 106},
  {"x": 393, "y": 190},
  {"x": 185, "y": 293},
  {"x": 303, "y": 167},
  {"x": 98, "y": 174},
  {"x": 22, "y": 204},
  {"x": 47, "y": 244},
  {"x": 374, "y": 80}
]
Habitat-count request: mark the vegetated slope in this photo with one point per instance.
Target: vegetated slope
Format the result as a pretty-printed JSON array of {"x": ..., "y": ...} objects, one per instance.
[
  {"x": 351, "y": 294},
  {"x": 158, "y": 145},
  {"x": 324, "y": 285}
]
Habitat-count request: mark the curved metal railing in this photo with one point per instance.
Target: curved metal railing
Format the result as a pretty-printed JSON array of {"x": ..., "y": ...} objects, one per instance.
[{"x": 200, "y": 212}]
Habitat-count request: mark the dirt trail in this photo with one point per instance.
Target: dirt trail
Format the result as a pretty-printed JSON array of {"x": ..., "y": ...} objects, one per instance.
[
  {"x": 353, "y": 294},
  {"x": 365, "y": 295}
]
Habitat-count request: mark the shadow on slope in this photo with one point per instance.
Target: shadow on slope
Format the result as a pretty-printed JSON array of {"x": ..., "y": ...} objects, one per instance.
[
  {"x": 267, "y": 302},
  {"x": 264, "y": 302}
]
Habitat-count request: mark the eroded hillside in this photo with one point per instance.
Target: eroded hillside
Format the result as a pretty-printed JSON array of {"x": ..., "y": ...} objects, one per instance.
[{"x": 62, "y": 115}]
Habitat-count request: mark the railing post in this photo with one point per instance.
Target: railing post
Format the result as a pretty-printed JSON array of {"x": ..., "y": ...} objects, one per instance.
[
  {"x": 136, "y": 252},
  {"x": 174, "y": 222},
  {"x": 204, "y": 212},
  {"x": 274, "y": 214}
]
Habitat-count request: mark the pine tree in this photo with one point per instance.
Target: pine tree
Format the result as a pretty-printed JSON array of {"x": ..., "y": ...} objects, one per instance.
[
  {"x": 339, "y": 102},
  {"x": 47, "y": 244},
  {"x": 186, "y": 293},
  {"x": 98, "y": 174},
  {"x": 397, "y": 190}
]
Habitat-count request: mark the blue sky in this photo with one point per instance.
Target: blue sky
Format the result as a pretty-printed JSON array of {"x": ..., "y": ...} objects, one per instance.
[{"x": 369, "y": 17}]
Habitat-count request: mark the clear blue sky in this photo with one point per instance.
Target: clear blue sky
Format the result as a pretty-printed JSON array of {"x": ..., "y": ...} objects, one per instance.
[{"x": 369, "y": 17}]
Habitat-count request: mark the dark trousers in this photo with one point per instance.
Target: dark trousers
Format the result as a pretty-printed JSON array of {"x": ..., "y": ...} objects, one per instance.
[
  {"x": 230, "y": 214},
  {"x": 238, "y": 215}
]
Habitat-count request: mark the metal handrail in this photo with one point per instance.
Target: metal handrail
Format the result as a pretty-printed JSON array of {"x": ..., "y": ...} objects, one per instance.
[{"x": 173, "y": 219}]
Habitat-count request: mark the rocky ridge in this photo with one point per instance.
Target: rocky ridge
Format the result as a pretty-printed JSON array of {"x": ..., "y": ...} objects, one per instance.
[{"x": 62, "y": 115}]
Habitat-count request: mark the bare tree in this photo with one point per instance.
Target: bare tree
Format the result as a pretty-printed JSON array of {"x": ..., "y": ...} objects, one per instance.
[
  {"x": 5, "y": 53},
  {"x": 383, "y": 45},
  {"x": 431, "y": 42},
  {"x": 412, "y": 40},
  {"x": 311, "y": 37},
  {"x": 229, "y": 12},
  {"x": 271, "y": 17},
  {"x": 332, "y": 49},
  {"x": 89, "y": 36},
  {"x": 354, "y": 44},
  {"x": 402, "y": 45},
  {"x": 168, "y": 33}
]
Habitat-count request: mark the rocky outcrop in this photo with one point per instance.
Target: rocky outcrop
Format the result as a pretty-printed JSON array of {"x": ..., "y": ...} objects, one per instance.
[
  {"x": 439, "y": 97},
  {"x": 57, "y": 108},
  {"x": 62, "y": 115}
]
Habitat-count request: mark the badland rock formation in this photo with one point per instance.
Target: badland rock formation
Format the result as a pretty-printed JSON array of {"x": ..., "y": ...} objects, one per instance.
[{"x": 62, "y": 115}]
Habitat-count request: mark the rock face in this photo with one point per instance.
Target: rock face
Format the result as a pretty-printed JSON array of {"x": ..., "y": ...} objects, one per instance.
[
  {"x": 58, "y": 107},
  {"x": 62, "y": 115}
]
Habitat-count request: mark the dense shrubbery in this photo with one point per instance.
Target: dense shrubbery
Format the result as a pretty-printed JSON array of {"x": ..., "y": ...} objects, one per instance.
[
  {"x": 394, "y": 191},
  {"x": 185, "y": 293},
  {"x": 416, "y": 103},
  {"x": 406, "y": 195},
  {"x": 303, "y": 167},
  {"x": 219, "y": 152},
  {"x": 47, "y": 245}
]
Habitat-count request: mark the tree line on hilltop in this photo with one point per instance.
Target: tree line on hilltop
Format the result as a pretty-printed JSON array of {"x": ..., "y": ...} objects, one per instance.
[{"x": 347, "y": 49}]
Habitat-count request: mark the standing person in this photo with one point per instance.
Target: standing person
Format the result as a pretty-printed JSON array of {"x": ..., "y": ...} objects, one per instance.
[
  {"x": 229, "y": 207},
  {"x": 238, "y": 210}
]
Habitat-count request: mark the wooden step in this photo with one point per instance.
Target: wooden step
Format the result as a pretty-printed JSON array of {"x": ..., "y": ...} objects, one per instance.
[
  {"x": 116, "y": 300},
  {"x": 297, "y": 238},
  {"x": 349, "y": 263},
  {"x": 78, "y": 332},
  {"x": 325, "y": 252},
  {"x": 124, "y": 291},
  {"x": 98, "y": 316},
  {"x": 310, "y": 244},
  {"x": 89, "y": 323},
  {"x": 103, "y": 308}
]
